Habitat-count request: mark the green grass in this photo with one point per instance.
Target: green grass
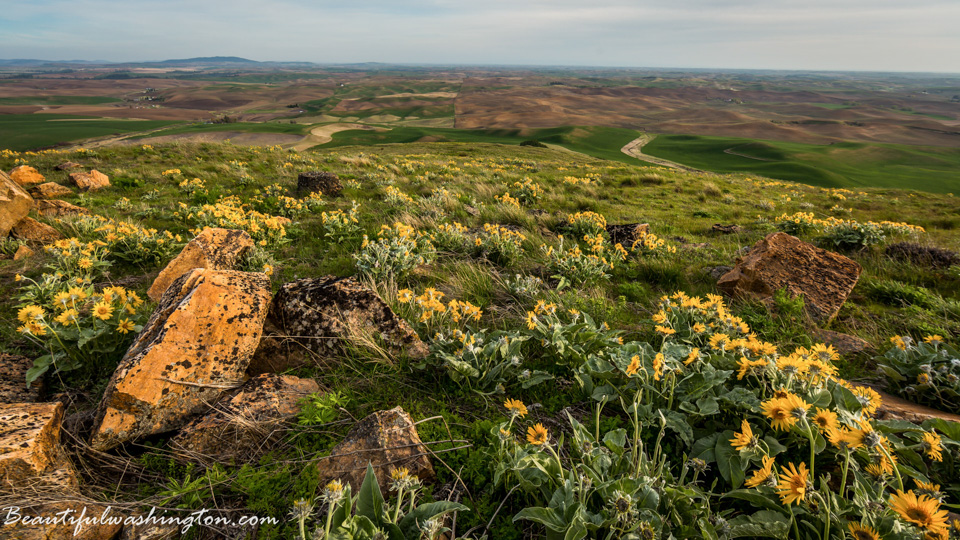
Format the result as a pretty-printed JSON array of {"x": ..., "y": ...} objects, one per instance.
[
  {"x": 29, "y": 131},
  {"x": 247, "y": 127},
  {"x": 58, "y": 100},
  {"x": 847, "y": 164}
]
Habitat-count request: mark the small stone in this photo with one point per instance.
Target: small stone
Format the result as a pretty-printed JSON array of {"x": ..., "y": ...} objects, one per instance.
[
  {"x": 196, "y": 346},
  {"x": 50, "y": 190},
  {"x": 67, "y": 165},
  {"x": 33, "y": 231},
  {"x": 26, "y": 175},
  {"x": 726, "y": 229},
  {"x": 628, "y": 233},
  {"x": 90, "y": 181},
  {"x": 216, "y": 249},
  {"x": 325, "y": 183},
  {"x": 15, "y": 204},
  {"x": 387, "y": 440},
  {"x": 23, "y": 252},
  {"x": 240, "y": 426},
  {"x": 716, "y": 272},
  {"x": 57, "y": 208}
]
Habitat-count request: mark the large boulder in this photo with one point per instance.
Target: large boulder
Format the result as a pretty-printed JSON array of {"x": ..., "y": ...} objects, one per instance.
[
  {"x": 50, "y": 190},
  {"x": 90, "y": 181},
  {"x": 315, "y": 316},
  {"x": 34, "y": 231},
  {"x": 387, "y": 440},
  {"x": 13, "y": 380},
  {"x": 216, "y": 249},
  {"x": 26, "y": 175},
  {"x": 240, "y": 427},
  {"x": 781, "y": 261},
  {"x": 30, "y": 451},
  {"x": 326, "y": 183},
  {"x": 55, "y": 208},
  {"x": 197, "y": 344},
  {"x": 15, "y": 204}
]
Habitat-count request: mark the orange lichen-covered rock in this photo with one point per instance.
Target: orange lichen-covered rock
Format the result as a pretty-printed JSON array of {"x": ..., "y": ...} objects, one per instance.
[
  {"x": 387, "y": 440},
  {"x": 57, "y": 208},
  {"x": 317, "y": 315},
  {"x": 26, "y": 175},
  {"x": 216, "y": 249},
  {"x": 34, "y": 231},
  {"x": 15, "y": 204},
  {"x": 241, "y": 426},
  {"x": 30, "y": 451},
  {"x": 781, "y": 261},
  {"x": 23, "y": 252},
  {"x": 90, "y": 181},
  {"x": 50, "y": 190},
  {"x": 196, "y": 345}
]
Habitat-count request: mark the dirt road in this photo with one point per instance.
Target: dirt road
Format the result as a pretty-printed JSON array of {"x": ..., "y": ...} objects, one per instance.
[
  {"x": 634, "y": 148},
  {"x": 324, "y": 134}
]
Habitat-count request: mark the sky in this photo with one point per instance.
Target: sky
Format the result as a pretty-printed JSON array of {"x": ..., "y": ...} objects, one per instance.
[{"x": 863, "y": 35}]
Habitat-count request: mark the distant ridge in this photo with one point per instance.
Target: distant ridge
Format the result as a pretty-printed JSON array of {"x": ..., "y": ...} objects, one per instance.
[{"x": 206, "y": 60}]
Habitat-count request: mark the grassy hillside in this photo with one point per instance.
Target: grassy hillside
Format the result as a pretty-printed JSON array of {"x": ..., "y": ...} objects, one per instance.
[
  {"x": 845, "y": 164},
  {"x": 595, "y": 333}
]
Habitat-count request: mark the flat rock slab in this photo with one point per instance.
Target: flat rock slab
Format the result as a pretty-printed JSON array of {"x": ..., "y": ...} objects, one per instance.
[
  {"x": 196, "y": 345},
  {"x": 13, "y": 380},
  {"x": 56, "y": 208},
  {"x": 241, "y": 426},
  {"x": 32, "y": 230},
  {"x": 388, "y": 440},
  {"x": 15, "y": 204},
  {"x": 781, "y": 261},
  {"x": 213, "y": 248},
  {"x": 896, "y": 408},
  {"x": 90, "y": 181},
  {"x": 316, "y": 315},
  {"x": 50, "y": 190},
  {"x": 30, "y": 451}
]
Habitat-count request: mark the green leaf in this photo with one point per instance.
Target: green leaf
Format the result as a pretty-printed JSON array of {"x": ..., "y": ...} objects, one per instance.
[
  {"x": 40, "y": 366},
  {"x": 756, "y": 498},
  {"x": 728, "y": 460},
  {"x": 616, "y": 440},
  {"x": 410, "y": 523},
  {"x": 548, "y": 517},
  {"x": 370, "y": 502}
]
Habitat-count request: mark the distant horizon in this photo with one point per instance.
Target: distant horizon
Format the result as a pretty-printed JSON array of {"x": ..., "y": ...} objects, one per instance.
[
  {"x": 104, "y": 62},
  {"x": 884, "y": 36}
]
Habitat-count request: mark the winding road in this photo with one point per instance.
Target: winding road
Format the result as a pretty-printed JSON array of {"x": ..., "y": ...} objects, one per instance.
[{"x": 634, "y": 148}]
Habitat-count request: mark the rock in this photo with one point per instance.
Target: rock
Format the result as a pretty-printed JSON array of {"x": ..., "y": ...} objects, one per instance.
[
  {"x": 316, "y": 315},
  {"x": 779, "y": 261},
  {"x": 216, "y": 249},
  {"x": 108, "y": 526},
  {"x": 50, "y": 190},
  {"x": 57, "y": 208},
  {"x": 15, "y": 204},
  {"x": 197, "y": 343},
  {"x": 34, "y": 231},
  {"x": 23, "y": 252},
  {"x": 894, "y": 408},
  {"x": 326, "y": 183},
  {"x": 67, "y": 165},
  {"x": 26, "y": 175},
  {"x": 13, "y": 380},
  {"x": 388, "y": 440},
  {"x": 844, "y": 343},
  {"x": 90, "y": 181},
  {"x": 726, "y": 229},
  {"x": 627, "y": 234},
  {"x": 151, "y": 531},
  {"x": 716, "y": 272},
  {"x": 932, "y": 257},
  {"x": 30, "y": 451},
  {"x": 239, "y": 427}
]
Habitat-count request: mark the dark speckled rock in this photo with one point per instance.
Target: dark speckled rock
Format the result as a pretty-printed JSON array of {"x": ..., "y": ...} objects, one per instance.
[
  {"x": 314, "y": 316},
  {"x": 241, "y": 426},
  {"x": 196, "y": 345},
  {"x": 13, "y": 380}
]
